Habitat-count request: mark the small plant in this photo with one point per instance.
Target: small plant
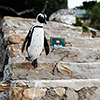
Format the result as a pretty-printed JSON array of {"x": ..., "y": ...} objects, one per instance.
[
  {"x": 79, "y": 23},
  {"x": 85, "y": 29}
]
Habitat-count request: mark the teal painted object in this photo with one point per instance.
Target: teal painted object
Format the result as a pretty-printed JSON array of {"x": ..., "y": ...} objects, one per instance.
[{"x": 57, "y": 42}]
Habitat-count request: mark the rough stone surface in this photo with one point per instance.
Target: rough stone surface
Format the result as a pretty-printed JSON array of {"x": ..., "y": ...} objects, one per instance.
[
  {"x": 47, "y": 71},
  {"x": 74, "y": 95},
  {"x": 66, "y": 54},
  {"x": 4, "y": 95},
  {"x": 25, "y": 71},
  {"x": 13, "y": 32},
  {"x": 79, "y": 70},
  {"x": 67, "y": 73},
  {"x": 4, "y": 91},
  {"x": 60, "y": 91},
  {"x": 48, "y": 90},
  {"x": 22, "y": 84},
  {"x": 62, "y": 30},
  {"x": 20, "y": 93},
  {"x": 64, "y": 15},
  {"x": 4, "y": 87},
  {"x": 72, "y": 54},
  {"x": 93, "y": 43}
]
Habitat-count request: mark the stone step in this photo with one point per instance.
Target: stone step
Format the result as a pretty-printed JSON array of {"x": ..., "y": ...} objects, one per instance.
[
  {"x": 51, "y": 71},
  {"x": 83, "y": 42},
  {"x": 14, "y": 30},
  {"x": 73, "y": 41},
  {"x": 76, "y": 89},
  {"x": 17, "y": 25},
  {"x": 72, "y": 54},
  {"x": 66, "y": 54}
]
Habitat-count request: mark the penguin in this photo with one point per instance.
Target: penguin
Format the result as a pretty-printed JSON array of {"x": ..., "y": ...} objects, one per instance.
[{"x": 35, "y": 40}]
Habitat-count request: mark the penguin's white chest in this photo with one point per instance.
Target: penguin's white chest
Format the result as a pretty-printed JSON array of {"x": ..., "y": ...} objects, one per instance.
[{"x": 37, "y": 43}]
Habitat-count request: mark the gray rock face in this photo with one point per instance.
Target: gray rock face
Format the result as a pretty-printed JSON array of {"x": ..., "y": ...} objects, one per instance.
[
  {"x": 64, "y": 15},
  {"x": 72, "y": 54},
  {"x": 58, "y": 90},
  {"x": 56, "y": 29},
  {"x": 52, "y": 71},
  {"x": 67, "y": 73},
  {"x": 93, "y": 43},
  {"x": 4, "y": 95}
]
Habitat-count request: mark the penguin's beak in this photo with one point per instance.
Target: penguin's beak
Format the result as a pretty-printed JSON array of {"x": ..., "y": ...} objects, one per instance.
[{"x": 45, "y": 21}]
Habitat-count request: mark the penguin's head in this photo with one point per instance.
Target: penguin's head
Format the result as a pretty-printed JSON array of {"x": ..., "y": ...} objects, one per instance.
[{"x": 41, "y": 18}]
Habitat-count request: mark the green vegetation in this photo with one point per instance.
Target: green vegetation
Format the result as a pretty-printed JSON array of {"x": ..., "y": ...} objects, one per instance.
[
  {"x": 93, "y": 12},
  {"x": 95, "y": 16},
  {"x": 88, "y": 5},
  {"x": 79, "y": 23},
  {"x": 85, "y": 28},
  {"x": 12, "y": 7}
]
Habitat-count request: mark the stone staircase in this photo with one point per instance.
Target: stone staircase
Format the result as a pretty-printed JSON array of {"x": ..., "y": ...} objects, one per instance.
[{"x": 67, "y": 73}]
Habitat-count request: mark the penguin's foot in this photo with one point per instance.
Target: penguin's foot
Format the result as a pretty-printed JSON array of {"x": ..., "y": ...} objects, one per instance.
[
  {"x": 28, "y": 58},
  {"x": 34, "y": 63}
]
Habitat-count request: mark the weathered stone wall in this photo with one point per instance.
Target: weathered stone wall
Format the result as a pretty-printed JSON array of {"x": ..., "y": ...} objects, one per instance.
[
  {"x": 3, "y": 47},
  {"x": 67, "y": 73},
  {"x": 56, "y": 90}
]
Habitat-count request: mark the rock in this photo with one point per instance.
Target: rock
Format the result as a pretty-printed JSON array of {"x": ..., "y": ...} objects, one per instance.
[
  {"x": 71, "y": 94},
  {"x": 22, "y": 84},
  {"x": 98, "y": 33},
  {"x": 16, "y": 38},
  {"x": 64, "y": 15},
  {"x": 4, "y": 87},
  {"x": 62, "y": 70},
  {"x": 15, "y": 55},
  {"x": 72, "y": 54},
  {"x": 93, "y": 43},
  {"x": 93, "y": 31},
  {"x": 16, "y": 93},
  {"x": 34, "y": 93},
  {"x": 56, "y": 29},
  {"x": 4, "y": 90},
  {"x": 65, "y": 69},
  {"x": 79, "y": 70},
  {"x": 25, "y": 71},
  {"x": 87, "y": 93},
  {"x": 75, "y": 84},
  {"x": 67, "y": 73},
  {"x": 60, "y": 91},
  {"x": 4, "y": 95},
  {"x": 19, "y": 93},
  {"x": 57, "y": 90}
]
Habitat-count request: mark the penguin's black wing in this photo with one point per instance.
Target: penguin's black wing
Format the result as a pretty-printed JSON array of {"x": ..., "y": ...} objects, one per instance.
[
  {"x": 46, "y": 46},
  {"x": 26, "y": 39}
]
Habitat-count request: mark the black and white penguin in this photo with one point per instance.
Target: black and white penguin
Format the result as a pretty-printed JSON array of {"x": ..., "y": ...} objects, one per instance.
[{"x": 36, "y": 40}]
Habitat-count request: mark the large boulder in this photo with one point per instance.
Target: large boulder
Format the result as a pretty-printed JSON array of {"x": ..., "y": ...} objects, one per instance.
[{"x": 64, "y": 15}]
